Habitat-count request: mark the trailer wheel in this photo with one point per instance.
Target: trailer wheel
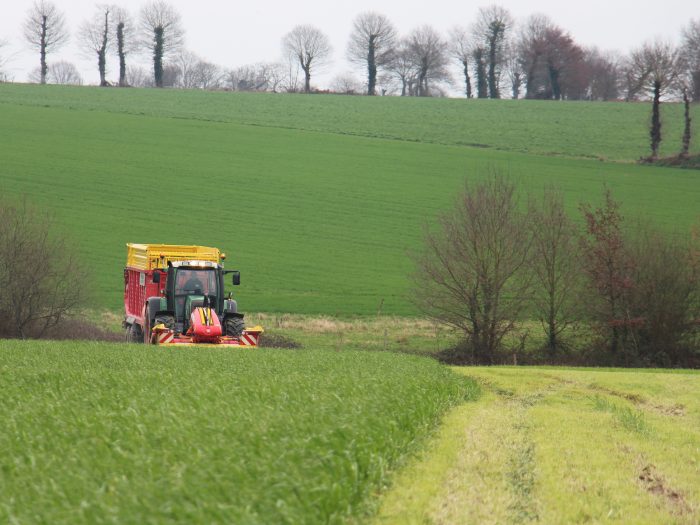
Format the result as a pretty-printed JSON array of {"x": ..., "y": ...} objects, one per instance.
[
  {"x": 134, "y": 334},
  {"x": 234, "y": 326}
]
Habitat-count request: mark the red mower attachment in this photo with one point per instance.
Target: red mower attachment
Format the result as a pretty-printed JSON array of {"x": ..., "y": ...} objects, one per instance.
[{"x": 205, "y": 328}]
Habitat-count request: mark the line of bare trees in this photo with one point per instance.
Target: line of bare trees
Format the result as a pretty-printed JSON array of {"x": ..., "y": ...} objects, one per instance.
[
  {"x": 605, "y": 290},
  {"x": 495, "y": 55}
]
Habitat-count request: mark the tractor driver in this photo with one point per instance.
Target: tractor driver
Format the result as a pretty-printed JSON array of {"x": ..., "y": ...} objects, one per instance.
[
  {"x": 194, "y": 284},
  {"x": 192, "y": 280}
]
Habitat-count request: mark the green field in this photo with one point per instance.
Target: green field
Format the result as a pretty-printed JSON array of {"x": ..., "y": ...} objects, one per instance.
[
  {"x": 611, "y": 131},
  {"x": 100, "y": 433},
  {"x": 317, "y": 200}
]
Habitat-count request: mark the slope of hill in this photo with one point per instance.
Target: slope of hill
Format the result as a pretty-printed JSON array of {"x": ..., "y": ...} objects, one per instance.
[
  {"x": 608, "y": 131},
  {"x": 318, "y": 222}
]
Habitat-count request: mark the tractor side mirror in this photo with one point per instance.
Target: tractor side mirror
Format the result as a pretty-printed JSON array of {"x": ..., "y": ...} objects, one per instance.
[
  {"x": 236, "y": 278},
  {"x": 156, "y": 277}
]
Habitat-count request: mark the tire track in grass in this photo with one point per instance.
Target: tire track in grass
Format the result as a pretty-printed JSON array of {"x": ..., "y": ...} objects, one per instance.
[
  {"x": 521, "y": 466},
  {"x": 545, "y": 447},
  {"x": 480, "y": 468}
]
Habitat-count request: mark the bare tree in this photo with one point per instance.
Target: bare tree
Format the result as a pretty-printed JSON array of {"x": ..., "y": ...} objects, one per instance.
[
  {"x": 664, "y": 297},
  {"x": 41, "y": 275},
  {"x": 609, "y": 267},
  {"x": 138, "y": 77},
  {"x": 471, "y": 275},
  {"x": 94, "y": 38},
  {"x": 604, "y": 75},
  {"x": 347, "y": 84},
  {"x": 460, "y": 49},
  {"x": 514, "y": 70},
  {"x": 404, "y": 68},
  {"x": 555, "y": 267},
  {"x": 61, "y": 72},
  {"x": 195, "y": 73},
  {"x": 310, "y": 47},
  {"x": 4, "y": 58},
  {"x": 491, "y": 31},
  {"x": 244, "y": 78},
  {"x": 290, "y": 81},
  {"x": 429, "y": 54},
  {"x": 64, "y": 73},
  {"x": 125, "y": 39},
  {"x": 551, "y": 60},
  {"x": 690, "y": 53},
  {"x": 162, "y": 34},
  {"x": 45, "y": 29},
  {"x": 656, "y": 68},
  {"x": 185, "y": 62},
  {"x": 372, "y": 44}
]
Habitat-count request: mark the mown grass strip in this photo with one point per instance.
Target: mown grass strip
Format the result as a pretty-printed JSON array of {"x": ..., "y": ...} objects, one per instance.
[{"x": 537, "y": 448}]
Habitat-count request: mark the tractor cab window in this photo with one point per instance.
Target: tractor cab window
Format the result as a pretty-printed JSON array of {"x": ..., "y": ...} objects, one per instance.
[{"x": 195, "y": 282}]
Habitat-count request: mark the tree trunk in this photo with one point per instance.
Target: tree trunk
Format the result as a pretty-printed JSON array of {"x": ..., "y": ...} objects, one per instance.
[
  {"x": 371, "y": 68},
  {"x": 467, "y": 79},
  {"x": 696, "y": 86},
  {"x": 685, "y": 149},
  {"x": 307, "y": 79},
  {"x": 481, "y": 81},
  {"x": 554, "y": 82},
  {"x": 102, "y": 66},
  {"x": 493, "y": 83},
  {"x": 655, "y": 132},
  {"x": 517, "y": 81},
  {"x": 530, "y": 86},
  {"x": 42, "y": 53},
  {"x": 102, "y": 53},
  {"x": 122, "y": 55},
  {"x": 158, "y": 57},
  {"x": 423, "y": 80}
]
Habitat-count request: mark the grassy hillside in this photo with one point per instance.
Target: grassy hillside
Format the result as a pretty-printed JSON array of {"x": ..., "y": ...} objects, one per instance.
[
  {"x": 611, "y": 131},
  {"x": 317, "y": 221},
  {"x": 560, "y": 446},
  {"x": 97, "y": 433}
]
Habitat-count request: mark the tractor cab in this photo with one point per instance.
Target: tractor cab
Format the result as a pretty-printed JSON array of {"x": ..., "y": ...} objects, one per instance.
[{"x": 192, "y": 284}]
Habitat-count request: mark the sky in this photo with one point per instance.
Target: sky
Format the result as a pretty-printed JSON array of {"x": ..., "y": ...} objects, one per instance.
[{"x": 232, "y": 34}]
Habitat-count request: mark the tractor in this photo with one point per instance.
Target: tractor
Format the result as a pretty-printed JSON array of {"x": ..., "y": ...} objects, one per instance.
[{"x": 174, "y": 294}]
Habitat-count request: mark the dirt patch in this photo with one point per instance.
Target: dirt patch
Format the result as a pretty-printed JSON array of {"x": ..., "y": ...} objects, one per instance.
[
  {"x": 272, "y": 340},
  {"x": 67, "y": 329},
  {"x": 654, "y": 482},
  {"x": 675, "y": 161},
  {"x": 677, "y": 410}
]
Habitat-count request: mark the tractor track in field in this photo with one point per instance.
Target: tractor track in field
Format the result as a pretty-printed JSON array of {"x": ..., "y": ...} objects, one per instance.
[{"x": 539, "y": 447}]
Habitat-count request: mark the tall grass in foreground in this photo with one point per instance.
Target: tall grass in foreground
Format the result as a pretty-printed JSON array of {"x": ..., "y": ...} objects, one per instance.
[{"x": 95, "y": 433}]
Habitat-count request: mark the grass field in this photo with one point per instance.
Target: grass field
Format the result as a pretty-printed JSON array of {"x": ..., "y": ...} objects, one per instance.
[
  {"x": 611, "y": 131},
  {"x": 318, "y": 221},
  {"x": 560, "y": 446},
  {"x": 100, "y": 433}
]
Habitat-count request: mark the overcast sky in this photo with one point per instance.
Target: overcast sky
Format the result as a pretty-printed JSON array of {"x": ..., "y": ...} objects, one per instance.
[{"x": 237, "y": 33}]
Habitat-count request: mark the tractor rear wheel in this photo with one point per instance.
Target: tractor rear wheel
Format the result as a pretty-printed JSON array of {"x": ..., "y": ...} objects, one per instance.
[{"x": 234, "y": 326}]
